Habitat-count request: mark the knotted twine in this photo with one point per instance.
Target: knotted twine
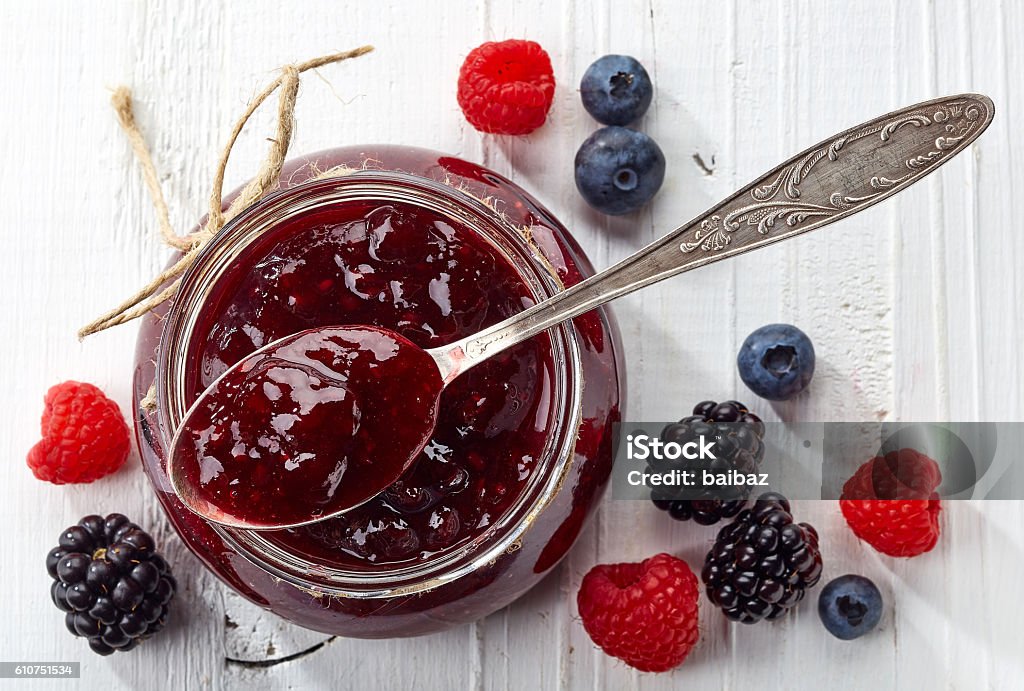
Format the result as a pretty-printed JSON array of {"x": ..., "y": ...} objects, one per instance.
[{"x": 159, "y": 290}]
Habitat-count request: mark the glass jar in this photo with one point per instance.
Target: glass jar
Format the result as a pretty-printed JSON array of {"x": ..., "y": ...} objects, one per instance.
[{"x": 502, "y": 556}]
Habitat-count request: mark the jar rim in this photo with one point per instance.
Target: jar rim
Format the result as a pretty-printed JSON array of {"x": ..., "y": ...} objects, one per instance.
[{"x": 504, "y": 535}]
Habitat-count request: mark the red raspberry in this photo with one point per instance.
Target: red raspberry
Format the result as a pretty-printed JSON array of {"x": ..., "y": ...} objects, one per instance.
[
  {"x": 642, "y": 613},
  {"x": 891, "y": 503},
  {"x": 84, "y": 436},
  {"x": 506, "y": 87}
]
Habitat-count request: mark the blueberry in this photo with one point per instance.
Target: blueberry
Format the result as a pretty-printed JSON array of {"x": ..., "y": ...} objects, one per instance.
[
  {"x": 776, "y": 361},
  {"x": 618, "y": 170},
  {"x": 616, "y": 90},
  {"x": 850, "y": 606}
]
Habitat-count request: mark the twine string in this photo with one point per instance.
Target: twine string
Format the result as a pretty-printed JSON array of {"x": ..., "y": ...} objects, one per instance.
[{"x": 165, "y": 285}]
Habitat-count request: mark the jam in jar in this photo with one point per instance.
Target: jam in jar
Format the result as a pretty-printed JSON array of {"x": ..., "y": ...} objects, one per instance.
[{"x": 435, "y": 249}]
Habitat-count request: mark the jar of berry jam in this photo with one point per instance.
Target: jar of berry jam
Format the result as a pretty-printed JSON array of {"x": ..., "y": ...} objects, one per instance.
[{"x": 435, "y": 248}]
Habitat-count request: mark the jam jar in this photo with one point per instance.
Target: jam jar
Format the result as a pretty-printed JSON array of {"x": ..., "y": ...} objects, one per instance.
[{"x": 435, "y": 248}]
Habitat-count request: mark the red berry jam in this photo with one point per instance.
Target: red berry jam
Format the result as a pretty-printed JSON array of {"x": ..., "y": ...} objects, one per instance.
[
  {"x": 404, "y": 268},
  {"x": 433, "y": 248},
  {"x": 305, "y": 428}
]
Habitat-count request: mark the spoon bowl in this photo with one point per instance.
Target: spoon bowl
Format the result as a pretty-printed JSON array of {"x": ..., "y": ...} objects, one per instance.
[{"x": 305, "y": 428}]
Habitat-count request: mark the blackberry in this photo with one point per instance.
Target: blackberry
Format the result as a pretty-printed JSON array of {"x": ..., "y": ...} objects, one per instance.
[
  {"x": 110, "y": 582},
  {"x": 762, "y": 563},
  {"x": 739, "y": 445}
]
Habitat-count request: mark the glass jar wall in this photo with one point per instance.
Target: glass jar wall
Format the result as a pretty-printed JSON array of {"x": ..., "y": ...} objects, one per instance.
[{"x": 436, "y": 248}]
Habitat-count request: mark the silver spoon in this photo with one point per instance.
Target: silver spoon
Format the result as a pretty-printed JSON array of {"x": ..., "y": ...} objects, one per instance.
[{"x": 840, "y": 176}]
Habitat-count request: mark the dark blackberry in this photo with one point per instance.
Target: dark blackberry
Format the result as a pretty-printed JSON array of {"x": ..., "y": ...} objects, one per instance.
[
  {"x": 739, "y": 445},
  {"x": 762, "y": 563},
  {"x": 109, "y": 580}
]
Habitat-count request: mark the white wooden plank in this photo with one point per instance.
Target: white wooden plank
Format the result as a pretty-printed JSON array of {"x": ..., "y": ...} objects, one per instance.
[
  {"x": 75, "y": 218},
  {"x": 914, "y": 306},
  {"x": 983, "y": 327},
  {"x": 511, "y": 637}
]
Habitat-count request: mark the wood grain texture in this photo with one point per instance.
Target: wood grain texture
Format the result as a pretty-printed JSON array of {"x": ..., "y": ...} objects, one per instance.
[{"x": 914, "y": 305}]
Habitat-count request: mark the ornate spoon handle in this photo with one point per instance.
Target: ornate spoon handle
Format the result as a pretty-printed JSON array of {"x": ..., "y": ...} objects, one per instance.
[{"x": 832, "y": 180}]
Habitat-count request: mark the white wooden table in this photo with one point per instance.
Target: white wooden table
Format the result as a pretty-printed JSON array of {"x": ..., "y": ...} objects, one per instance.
[{"x": 914, "y": 306}]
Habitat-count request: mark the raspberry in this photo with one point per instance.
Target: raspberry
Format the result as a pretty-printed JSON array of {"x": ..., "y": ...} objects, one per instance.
[
  {"x": 506, "y": 87},
  {"x": 891, "y": 503},
  {"x": 642, "y": 613},
  {"x": 84, "y": 436}
]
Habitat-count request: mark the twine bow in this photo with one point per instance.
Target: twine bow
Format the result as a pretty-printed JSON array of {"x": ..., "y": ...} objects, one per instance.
[{"x": 158, "y": 290}]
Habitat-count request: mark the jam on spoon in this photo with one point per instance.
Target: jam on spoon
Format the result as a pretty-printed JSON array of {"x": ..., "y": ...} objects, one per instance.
[{"x": 313, "y": 424}]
